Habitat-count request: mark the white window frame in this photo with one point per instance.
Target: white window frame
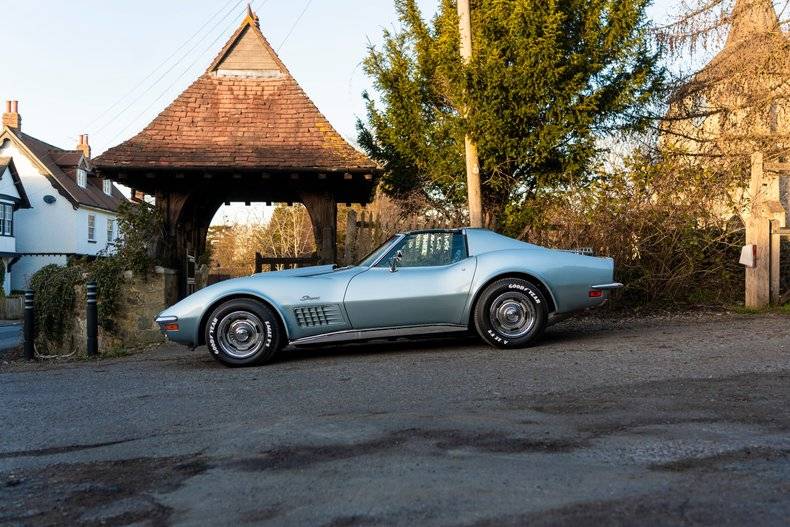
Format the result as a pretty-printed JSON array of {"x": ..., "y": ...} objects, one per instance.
[
  {"x": 82, "y": 178},
  {"x": 110, "y": 230},
  {"x": 91, "y": 227},
  {"x": 8, "y": 219},
  {"x": 107, "y": 184}
]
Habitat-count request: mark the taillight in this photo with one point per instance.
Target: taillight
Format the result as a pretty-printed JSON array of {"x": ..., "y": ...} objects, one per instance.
[
  {"x": 595, "y": 293},
  {"x": 170, "y": 327}
]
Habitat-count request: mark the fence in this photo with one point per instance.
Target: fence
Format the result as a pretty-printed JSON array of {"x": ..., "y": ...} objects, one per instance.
[
  {"x": 367, "y": 231},
  {"x": 780, "y": 263},
  {"x": 275, "y": 264},
  {"x": 765, "y": 230},
  {"x": 12, "y": 308}
]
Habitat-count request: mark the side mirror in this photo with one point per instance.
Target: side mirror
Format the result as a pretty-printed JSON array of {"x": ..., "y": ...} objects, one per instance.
[{"x": 395, "y": 260}]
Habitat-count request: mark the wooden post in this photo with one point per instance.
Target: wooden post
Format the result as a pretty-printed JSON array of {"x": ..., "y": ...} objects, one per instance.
[
  {"x": 758, "y": 232},
  {"x": 472, "y": 160},
  {"x": 322, "y": 208},
  {"x": 351, "y": 237},
  {"x": 362, "y": 237},
  {"x": 776, "y": 245}
]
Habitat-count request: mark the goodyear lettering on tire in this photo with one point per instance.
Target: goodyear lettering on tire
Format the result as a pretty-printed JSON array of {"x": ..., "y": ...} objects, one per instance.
[
  {"x": 211, "y": 338},
  {"x": 527, "y": 290},
  {"x": 268, "y": 334}
]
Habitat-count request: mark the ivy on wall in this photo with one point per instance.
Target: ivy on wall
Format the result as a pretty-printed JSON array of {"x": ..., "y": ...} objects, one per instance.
[
  {"x": 55, "y": 285},
  {"x": 55, "y": 296}
]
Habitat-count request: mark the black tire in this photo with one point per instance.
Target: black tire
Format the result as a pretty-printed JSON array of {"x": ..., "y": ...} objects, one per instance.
[
  {"x": 510, "y": 313},
  {"x": 243, "y": 332}
]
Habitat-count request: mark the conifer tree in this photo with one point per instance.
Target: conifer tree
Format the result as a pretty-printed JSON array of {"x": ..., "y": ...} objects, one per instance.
[{"x": 548, "y": 80}]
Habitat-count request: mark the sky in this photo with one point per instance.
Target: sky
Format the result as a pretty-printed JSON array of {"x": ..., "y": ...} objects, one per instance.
[{"x": 108, "y": 67}]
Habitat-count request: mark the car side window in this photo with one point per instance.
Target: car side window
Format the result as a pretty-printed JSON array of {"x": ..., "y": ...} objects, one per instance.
[{"x": 428, "y": 249}]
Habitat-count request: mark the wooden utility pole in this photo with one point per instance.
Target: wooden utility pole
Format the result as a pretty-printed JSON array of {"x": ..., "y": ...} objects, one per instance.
[{"x": 472, "y": 161}]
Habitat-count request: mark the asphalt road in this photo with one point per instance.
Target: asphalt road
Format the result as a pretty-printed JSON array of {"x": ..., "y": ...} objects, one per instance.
[{"x": 678, "y": 421}]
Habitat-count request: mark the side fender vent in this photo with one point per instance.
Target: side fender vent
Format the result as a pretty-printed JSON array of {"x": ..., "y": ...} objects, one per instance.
[{"x": 311, "y": 316}]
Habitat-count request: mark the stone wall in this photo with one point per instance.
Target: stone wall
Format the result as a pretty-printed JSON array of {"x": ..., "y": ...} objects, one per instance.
[{"x": 142, "y": 299}]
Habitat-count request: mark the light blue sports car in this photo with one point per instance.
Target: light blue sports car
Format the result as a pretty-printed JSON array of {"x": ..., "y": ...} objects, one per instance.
[{"x": 416, "y": 283}]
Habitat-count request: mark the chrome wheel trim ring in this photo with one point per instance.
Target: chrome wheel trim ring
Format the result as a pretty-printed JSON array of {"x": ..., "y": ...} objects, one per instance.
[
  {"x": 241, "y": 334},
  {"x": 512, "y": 314}
]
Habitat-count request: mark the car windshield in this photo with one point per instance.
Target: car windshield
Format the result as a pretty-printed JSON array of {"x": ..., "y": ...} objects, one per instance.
[{"x": 378, "y": 251}]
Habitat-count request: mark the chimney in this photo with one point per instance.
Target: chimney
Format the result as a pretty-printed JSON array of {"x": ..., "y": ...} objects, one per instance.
[
  {"x": 84, "y": 146},
  {"x": 11, "y": 117}
]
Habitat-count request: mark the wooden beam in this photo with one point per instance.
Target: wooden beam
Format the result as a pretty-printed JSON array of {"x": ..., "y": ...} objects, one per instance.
[{"x": 777, "y": 167}]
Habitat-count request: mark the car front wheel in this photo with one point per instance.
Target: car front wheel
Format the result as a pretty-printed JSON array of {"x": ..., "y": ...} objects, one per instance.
[
  {"x": 242, "y": 332},
  {"x": 510, "y": 313}
]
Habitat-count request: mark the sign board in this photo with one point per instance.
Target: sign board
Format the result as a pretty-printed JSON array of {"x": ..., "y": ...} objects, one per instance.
[{"x": 749, "y": 256}]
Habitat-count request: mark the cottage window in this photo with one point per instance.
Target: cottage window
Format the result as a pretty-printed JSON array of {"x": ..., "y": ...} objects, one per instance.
[
  {"x": 107, "y": 187},
  {"x": 91, "y": 227},
  {"x": 8, "y": 223},
  {"x": 110, "y": 228},
  {"x": 82, "y": 178}
]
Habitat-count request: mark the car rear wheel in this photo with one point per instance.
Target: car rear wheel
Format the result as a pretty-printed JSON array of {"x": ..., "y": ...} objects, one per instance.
[
  {"x": 510, "y": 313},
  {"x": 243, "y": 332}
]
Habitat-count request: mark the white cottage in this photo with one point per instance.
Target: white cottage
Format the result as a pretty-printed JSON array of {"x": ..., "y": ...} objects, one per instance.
[
  {"x": 60, "y": 208},
  {"x": 12, "y": 199}
]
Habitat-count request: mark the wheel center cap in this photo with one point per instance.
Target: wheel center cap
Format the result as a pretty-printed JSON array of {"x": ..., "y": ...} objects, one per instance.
[{"x": 241, "y": 334}]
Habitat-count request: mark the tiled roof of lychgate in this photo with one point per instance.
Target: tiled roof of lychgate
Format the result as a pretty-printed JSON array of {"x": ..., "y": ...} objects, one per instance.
[
  {"x": 246, "y": 112},
  {"x": 62, "y": 165}
]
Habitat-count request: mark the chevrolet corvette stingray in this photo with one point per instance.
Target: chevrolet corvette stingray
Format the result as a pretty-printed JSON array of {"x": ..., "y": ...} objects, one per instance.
[{"x": 416, "y": 283}]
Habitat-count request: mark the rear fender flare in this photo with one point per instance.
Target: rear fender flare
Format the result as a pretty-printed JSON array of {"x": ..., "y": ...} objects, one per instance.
[{"x": 482, "y": 282}]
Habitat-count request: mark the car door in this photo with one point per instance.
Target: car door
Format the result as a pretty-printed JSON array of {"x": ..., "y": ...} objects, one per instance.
[{"x": 429, "y": 286}]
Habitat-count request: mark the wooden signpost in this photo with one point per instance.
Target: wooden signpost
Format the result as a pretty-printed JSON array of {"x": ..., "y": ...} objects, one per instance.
[{"x": 765, "y": 225}]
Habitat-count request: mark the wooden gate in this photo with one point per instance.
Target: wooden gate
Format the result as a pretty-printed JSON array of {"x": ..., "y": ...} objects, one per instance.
[
  {"x": 765, "y": 229},
  {"x": 368, "y": 231},
  {"x": 274, "y": 263},
  {"x": 780, "y": 263},
  {"x": 189, "y": 273}
]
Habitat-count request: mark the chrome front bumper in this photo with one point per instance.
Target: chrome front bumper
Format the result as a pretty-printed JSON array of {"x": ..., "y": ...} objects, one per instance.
[{"x": 161, "y": 321}]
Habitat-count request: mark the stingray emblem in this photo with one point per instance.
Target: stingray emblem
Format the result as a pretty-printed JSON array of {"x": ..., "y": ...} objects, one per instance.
[{"x": 308, "y": 298}]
